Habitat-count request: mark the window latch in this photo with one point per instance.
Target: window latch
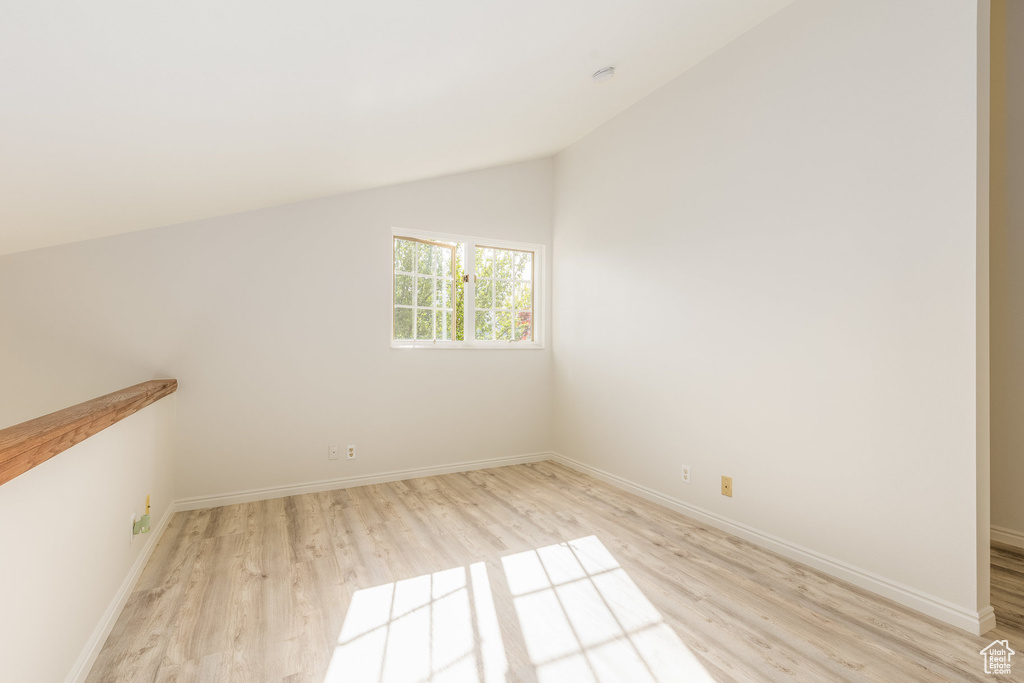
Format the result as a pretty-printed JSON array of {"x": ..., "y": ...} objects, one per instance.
[{"x": 465, "y": 278}]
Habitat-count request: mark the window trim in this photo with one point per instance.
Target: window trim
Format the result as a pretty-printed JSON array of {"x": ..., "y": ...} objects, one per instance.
[{"x": 539, "y": 291}]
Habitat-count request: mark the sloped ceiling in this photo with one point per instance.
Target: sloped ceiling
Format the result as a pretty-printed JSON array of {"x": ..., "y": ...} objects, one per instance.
[{"x": 120, "y": 116}]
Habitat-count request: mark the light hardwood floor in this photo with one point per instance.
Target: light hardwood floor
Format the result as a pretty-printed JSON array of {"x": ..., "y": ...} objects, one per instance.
[{"x": 530, "y": 572}]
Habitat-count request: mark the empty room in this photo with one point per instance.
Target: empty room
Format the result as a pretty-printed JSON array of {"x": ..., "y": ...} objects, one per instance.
[{"x": 616, "y": 340}]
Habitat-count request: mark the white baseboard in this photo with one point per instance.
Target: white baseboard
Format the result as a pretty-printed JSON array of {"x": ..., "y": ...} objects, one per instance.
[
  {"x": 92, "y": 648},
  {"x": 974, "y": 622},
  {"x": 203, "y": 502},
  {"x": 1001, "y": 534},
  {"x": 986, "y": 620}
]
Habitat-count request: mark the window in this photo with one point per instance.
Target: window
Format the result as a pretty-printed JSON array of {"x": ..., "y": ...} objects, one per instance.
[{"x": 450, "y": 291}]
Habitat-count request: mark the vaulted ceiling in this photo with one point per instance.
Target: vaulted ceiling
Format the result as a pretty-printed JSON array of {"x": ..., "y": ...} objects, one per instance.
[{"x": 129, "y": 114}]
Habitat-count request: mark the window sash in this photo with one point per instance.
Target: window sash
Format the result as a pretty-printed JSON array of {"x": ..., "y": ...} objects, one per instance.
[
  {"x": 418, "y": 277},
  {"x": 512, "y": 283}
]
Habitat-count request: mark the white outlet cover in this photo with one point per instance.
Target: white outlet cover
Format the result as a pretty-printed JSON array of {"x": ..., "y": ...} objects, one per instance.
[
  {"x": 352, "y": 452},
  {"x": 686, "y": 474}
]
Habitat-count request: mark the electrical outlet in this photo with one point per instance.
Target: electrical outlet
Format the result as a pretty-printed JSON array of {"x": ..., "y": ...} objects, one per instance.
[
  {"x": 686, "y": 474},
  {"x": 131, "y": 528},
  {"x": 352, "y": 452},
  {"x": 332, "y": 453},
  {"x": 726, "y": 486}
]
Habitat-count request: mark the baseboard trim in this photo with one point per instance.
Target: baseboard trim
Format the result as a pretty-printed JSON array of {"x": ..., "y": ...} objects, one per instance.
[
  {"x": 986, "y": 620},
  {"x": 974, "y": 622},
  {"x": 203, "y": 502},
  {"x": 92, "y": 648},
  {"x": 1001, "y": 534}
]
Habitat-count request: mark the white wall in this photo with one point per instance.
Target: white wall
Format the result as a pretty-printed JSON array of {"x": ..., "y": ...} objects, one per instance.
[
  {"x": 766, "y": 269},
  {"x": 1008, "y": 277},
  {"x": 64, "y": 535},
  {"x": 276, "y": 324}
]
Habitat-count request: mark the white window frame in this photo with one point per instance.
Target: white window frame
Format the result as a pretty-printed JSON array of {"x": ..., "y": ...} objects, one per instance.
[{"x": 469, "y": 315}]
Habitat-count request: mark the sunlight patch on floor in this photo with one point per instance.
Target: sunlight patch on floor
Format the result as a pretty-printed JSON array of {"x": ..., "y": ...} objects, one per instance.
[
  {"x": 435, "y": 627},
  {"x": 583, "y": 619},
  {"x": 580, "y": 618}
]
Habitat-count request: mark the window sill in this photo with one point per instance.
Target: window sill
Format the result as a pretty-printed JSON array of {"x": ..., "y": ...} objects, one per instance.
[{"x": 478, "y": 346}]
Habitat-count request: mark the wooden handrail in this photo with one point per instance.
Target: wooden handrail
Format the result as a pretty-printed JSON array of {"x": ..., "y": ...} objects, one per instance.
[{"x": 31, "y": 443}]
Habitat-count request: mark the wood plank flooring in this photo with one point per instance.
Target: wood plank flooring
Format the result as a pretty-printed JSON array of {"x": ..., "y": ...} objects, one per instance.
[{"x": 523, "y": 573}]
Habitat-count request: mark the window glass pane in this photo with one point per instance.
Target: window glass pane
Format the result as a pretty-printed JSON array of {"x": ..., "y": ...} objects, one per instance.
[
  {"x": 524, "y": 326},
  {"x": 403, "y": 290},
  {"x": 523, "y": 269},
  {"x": 503, "y": 326},
  {"x": 502, "y": 263},
  {"x": 502, "y": 294},
  {"x": 484, "y": 294},
  {"x": 442, "y": 262},
  {"x": 424, "y": 291},
  {"x": 444, "y": 325},
  {"x": 484, "y": 262},
  {"x": 460, "y": 292},
  {"x": 484, "y": 325},
  {"x": 403, "y": 323},
  {"x": 423, "y": 258},
  {"x": 444, "y": 292},
  {"x": 403, "y": 255},
  {"x": 425, "y": 323},
  {"x": 460, "y": 311},
  {"x": 524, "y": 296}
]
